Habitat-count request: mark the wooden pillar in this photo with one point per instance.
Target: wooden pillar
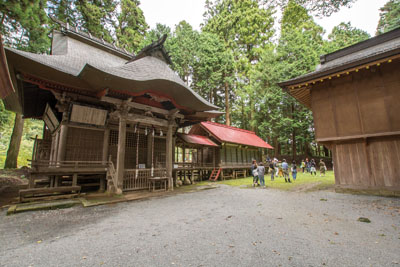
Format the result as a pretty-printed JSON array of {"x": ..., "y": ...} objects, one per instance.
[
  {"x": 121, "y": 152},
  {"x": 106, "y": 141},
  {"x": 168, "y": 153},
  {"x": 52, "y": 150},
  {"x": 149, "y": 149},
  {"x": 62, "y": 143}
]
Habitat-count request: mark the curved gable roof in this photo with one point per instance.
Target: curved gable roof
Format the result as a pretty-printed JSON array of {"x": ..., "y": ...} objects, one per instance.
[{"x": 84, "y": 65}]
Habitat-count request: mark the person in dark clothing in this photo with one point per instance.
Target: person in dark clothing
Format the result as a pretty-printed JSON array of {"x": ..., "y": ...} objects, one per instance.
[
  {"x": 313, "y": 167},
  {"x": 294, "y": 170},
  {"x": 261, "y": 172},
  {"x": 285, "y": 169},
  {"x": 272, "y": 167},
  {"x": 254, "y": 173}
]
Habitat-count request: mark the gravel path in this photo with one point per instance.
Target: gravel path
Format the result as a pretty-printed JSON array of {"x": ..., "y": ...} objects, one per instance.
[{"x": 226, "y": 226}]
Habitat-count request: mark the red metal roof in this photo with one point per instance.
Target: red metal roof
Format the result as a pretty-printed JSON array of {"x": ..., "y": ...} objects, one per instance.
[
  {"x": 234, "y": 135},
  {"x": 196, "y": 139}
]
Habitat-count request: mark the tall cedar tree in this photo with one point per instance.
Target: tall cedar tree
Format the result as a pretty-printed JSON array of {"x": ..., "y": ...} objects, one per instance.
[
  {"x": 132, "y": 25},
  {"x": 246, "y": 27},
  {"x": 22, "y": 27},
  {"x": 344, "y": 35},
  {"x": 389, "y": 17}
]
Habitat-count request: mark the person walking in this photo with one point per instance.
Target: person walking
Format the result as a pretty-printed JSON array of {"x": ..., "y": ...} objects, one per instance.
[
  {"x": 303, "y": 165},
  {"x": 322, "y": 168},
  {"x": 272, "y": 168},
  {"x": 261, "y": 172},
  {"x": 313, "y": 167},
  {"x": 285, "y": 170},
  {"x": 308, "y": 165},
  {"x": 254, "y": 172},
  {"x": 294, "y": 170}
]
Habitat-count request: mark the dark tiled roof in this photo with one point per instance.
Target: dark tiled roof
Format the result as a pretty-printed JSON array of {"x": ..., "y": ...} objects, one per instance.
[{"x": 376, "y": 48}]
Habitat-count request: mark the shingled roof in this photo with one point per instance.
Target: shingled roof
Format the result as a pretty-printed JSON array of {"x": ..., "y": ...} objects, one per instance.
[
  {"x": 372, "y": 50},
  {"x": 90, "y": 65}
]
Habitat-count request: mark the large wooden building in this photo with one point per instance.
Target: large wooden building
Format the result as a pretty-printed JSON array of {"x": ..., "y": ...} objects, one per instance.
[
  {"x": 355, "y": 98},
  {"x": 110, "y": 117}
]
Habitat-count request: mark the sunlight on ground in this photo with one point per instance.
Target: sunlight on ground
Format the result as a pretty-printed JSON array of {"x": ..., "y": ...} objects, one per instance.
[{"x": 303, "y": 180}]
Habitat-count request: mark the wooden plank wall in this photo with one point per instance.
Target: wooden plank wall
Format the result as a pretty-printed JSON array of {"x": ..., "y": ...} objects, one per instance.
[
  {"x": 368, "y": 164},
  {"x": 362, "y": 103}
]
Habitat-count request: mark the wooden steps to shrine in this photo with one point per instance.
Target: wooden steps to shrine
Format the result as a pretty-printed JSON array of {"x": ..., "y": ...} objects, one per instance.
[
  {"x": 215, "y": 174},
  {"x": 48, "y": 193}
]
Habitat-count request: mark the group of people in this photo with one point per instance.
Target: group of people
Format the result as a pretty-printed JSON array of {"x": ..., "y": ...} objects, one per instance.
[
  {"x": 311, "y": 167},
  {"x": 282, "y": 169}
]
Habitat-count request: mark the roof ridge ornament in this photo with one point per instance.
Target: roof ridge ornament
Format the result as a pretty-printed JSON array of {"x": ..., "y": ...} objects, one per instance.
[{"x": 152, "y": 49}]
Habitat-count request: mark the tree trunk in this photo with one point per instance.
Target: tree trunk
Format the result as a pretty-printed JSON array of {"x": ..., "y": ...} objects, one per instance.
[
  {"x": 307, "y": 149},
  {"x": 251, "y": 116},
  {"x": 294, "y": 152},
  {"x": 227, "y": 109},
  {"x": 15, "y": 143},
  {"x": 277, "y": 147}
]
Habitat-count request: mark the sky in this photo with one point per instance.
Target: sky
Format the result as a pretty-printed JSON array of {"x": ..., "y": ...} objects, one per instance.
[{"x": 364, "y": 14}]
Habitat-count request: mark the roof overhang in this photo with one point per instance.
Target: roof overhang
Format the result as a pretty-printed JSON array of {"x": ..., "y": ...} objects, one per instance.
[
  {"x": 373, "y": 52},
  {"x": 6, "y": 86}
]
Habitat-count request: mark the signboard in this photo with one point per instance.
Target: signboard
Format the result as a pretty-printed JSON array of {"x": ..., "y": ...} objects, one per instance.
[
  {"x": 50, "y": 118},
  {"x": 88, "y": 115}
]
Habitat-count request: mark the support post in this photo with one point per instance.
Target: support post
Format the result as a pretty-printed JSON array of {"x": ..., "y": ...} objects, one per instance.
[
  {"x": 169, "y": 155},
  {"x": 121, "y": 153},
  {"x": 62, "y": 143},
  {"x": 149, "y": 149},
  {"x": 106, "y": 141}
]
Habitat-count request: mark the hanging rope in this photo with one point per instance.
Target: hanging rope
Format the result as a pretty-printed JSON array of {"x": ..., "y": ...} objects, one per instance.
[
  {"x": 137, "y": 152},
  {"x": 152, "y": 154}
]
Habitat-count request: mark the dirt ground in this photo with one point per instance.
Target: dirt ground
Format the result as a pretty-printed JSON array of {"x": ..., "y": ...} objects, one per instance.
[
  {"x": 226, "y": 226},
  {"x": 10, "y": 183}
]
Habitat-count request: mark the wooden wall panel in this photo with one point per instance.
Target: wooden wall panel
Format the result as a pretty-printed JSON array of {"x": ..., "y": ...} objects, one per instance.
[
  {"x": 348, "y": 119},
  {"x": 351, "y": 164},
  {"x": 323, "y": 113},
  {"x": 371, "y": 99},
  {"x": 390, "y": 77},
  {"x": 385, "y": 161}
]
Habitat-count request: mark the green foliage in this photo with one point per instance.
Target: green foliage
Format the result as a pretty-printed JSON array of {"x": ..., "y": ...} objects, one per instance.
[
  {"x": 322, "y": 8},
  {"x": 344, "y": 35},
  {"x": 23, "y": 25},
  {"x": 132, "y": 25},
  {"x": 389, "y": 17}
]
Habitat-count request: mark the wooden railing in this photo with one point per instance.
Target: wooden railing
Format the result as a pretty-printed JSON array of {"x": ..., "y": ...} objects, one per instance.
[
  {"x": 68, "y": 164},
  {"x": 191, "y": 165},
  {"x": 137, "y": 179}
]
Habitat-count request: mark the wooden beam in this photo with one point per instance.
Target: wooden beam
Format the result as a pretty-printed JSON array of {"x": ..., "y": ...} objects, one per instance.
[
  {"x": 360, "y": 136},
  {"x": 168, "y": 155},
  {"x": 139, "y": 106},
  {"x": 136, "y": 118},
  {"x": 121, "y": 153}
]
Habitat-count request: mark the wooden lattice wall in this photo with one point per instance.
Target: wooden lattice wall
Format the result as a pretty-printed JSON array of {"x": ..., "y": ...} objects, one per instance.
[
  {"x": 130, "y": 148},
  {"x": 160, "y": 147},
  {"x": 84, "y": 145}
]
